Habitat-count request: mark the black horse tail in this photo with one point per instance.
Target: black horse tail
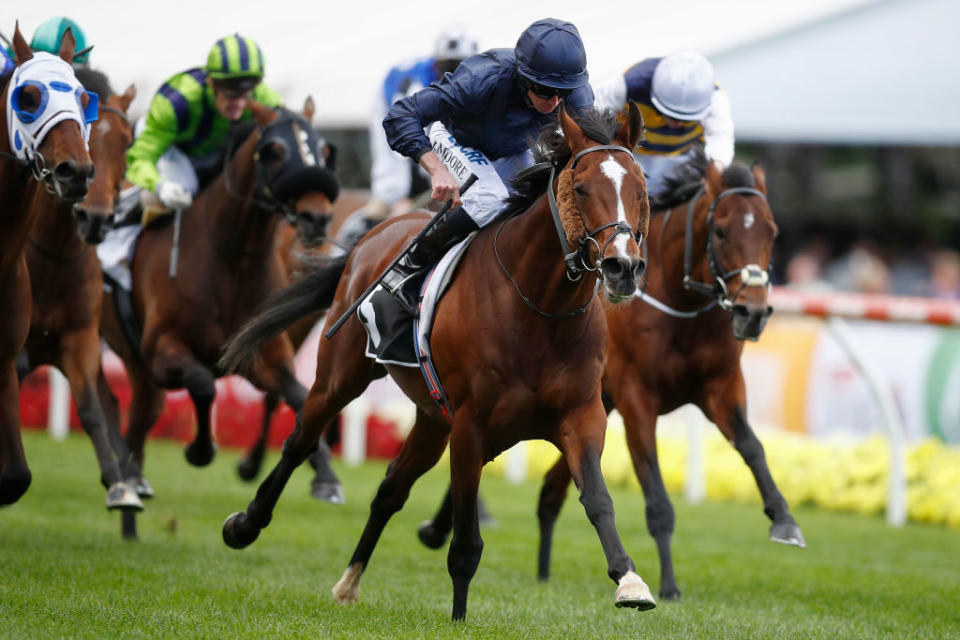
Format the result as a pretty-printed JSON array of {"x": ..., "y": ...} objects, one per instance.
[{"x": 314, "y": 292}]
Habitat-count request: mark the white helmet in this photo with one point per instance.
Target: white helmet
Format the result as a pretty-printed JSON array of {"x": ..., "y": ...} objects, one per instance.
[
  {"x": 454, "y": 43},
  {"x": 682, "y": 86}
]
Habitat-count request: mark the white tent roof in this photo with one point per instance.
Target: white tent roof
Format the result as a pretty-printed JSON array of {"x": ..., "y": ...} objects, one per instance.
[{"x": 886, "y": 73}]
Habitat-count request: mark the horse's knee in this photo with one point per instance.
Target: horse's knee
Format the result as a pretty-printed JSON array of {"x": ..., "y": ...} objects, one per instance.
[
  {"x": 660, "y": 518},
  {"x": 200, "y": 384},
  {"x": 598, "y": 505},
  {"x": 464, "y": 557}
]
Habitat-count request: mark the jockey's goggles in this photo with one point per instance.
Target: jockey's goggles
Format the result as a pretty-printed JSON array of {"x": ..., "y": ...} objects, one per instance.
[
  {"x": 61, "y": 98},
  {"x": 545, "y": 92},
  {"x": 234, "y": 88}
]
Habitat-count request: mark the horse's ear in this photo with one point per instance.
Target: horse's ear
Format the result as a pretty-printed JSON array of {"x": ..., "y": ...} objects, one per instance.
[
  {"x": 308, "y": 109},
  {"x": 631, "y": 131},
  {"x": 68, "y": 45},
  {"x": 571, "y": 130},
  {"x": 713, "y": 179},
  {"x": 760, "y": 177},
  {"x": 21, "y": 49},
  {"x": 262, "y": 115},
  {"x": 125, "y": 98}
]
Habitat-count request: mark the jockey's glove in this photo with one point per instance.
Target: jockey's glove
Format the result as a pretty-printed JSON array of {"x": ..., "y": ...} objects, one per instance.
[{"x": 173, "y": 195}]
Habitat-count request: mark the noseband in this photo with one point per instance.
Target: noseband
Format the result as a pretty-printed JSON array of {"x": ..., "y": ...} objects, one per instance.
[
  {"x": 576, "y": 260},
  {"x": 751, "y": 275}
]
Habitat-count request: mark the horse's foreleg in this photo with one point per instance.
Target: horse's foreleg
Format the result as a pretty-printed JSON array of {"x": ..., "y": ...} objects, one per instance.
[
  {"x": 420, "y": 452},
  {"x": 726, "y": 406},
  {"x": 201, "y": 386},
  {"x": 274, "y": 373},
  {"x": 582, "y": 443},
  {"x": 80, "y": 361},
  {"x": 249, "y": 467},
  {"x": 556, "y": 482},
  {"x": 466, "y": 546},
  {"x": 14, "y": 474}
]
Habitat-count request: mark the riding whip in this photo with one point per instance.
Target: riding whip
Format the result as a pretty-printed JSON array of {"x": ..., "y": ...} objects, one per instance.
[{"x": 363, "y": 296}]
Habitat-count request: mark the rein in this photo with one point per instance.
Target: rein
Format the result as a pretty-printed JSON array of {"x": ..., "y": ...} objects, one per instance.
[
  {"x": 576, "y": 260},
  {"x": 751, "y": 275}
]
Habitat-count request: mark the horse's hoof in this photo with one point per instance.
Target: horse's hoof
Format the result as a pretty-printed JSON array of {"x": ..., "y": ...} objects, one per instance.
[
  {"x": 347, "y": 589},
  {"x": 787, "y": 533},
  {"x": 429, "y": 535},
  {"x": 633, "y": 592},
  {"x": 200, "y": 455},
  {"x": 238, "y": 533},
  {"x": 142, "y": 486},
  {"x": 121, "y": 495},
  {"x": 672, "y": 593},
  {"x": 248, "y": 469},
  {"x": 331, "y": 492},
  {"x": 13, "y": 486}
]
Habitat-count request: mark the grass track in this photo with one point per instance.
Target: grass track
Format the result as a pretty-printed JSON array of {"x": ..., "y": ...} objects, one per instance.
[{"x": 64, "y": 571}]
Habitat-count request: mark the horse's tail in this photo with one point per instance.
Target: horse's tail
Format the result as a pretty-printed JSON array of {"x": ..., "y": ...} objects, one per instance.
[{"x": 314, "y": 292}]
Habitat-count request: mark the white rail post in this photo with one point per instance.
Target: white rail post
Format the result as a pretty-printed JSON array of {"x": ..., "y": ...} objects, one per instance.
[
  {"x": 897, "y": 477},
  {"x": 354, "y": 430},
  {"x": 695, "y": 487},
  {"x": 516, "y": 463},
  {"x": 58, "y": 404}
]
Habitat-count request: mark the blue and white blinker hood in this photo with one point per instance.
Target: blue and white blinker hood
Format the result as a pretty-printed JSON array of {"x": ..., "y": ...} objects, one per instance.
[{"x": 61, "y": 98}]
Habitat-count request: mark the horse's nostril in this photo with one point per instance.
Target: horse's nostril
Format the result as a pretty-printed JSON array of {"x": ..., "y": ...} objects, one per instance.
[
  {"x": 740, "y": 310},
  {"x": 81, "y": 216},
  {"x": 66, "y": 171}
]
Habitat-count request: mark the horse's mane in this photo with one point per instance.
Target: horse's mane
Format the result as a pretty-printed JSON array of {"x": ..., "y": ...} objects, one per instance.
[
  {"x": 551, "y": 146},
  {"x": 93, "y": 80},
  {"x": 738, "y": 175},
  {"x": 684, "y": 180}
]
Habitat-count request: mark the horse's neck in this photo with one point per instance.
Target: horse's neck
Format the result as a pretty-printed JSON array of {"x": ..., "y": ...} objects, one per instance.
[
  {"x": 532, "y": 254},
  {"x": 668, "y": 255},
  {"x": 55, "y": 231},
  {"x": 229, "y": 217},
  {"x": 16, "y": 213}
]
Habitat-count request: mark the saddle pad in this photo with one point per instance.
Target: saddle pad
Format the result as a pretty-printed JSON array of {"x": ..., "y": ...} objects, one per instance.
[{"x": 116, "y": 253}]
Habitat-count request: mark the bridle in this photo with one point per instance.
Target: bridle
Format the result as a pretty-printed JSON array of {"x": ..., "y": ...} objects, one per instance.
[
  {"x": 751, "y": 275},
  {"x": 577, "y": 260}
]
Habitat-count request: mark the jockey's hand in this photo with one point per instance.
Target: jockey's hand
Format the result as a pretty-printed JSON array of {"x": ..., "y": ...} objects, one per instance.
[
  {"x": 173, "y": 195},
  {"x": 443, "y": 185}
]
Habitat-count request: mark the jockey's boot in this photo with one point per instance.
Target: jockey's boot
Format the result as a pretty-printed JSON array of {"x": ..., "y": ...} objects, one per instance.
[{"x": 404, "y": 279}]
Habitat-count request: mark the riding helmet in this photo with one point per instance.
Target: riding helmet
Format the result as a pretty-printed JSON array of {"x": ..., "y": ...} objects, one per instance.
[
  {"x": 49, "y": 34},
  {"x": 550, "y": 53},
  {"x": 682, "y": 86}
]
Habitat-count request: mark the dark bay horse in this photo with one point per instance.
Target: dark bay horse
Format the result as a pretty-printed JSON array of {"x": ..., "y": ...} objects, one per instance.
[
  {"x": 67, "y": 284},
  {"x": 60, "y": 160},
  {"x": 518, "y": 341},
  {"x": 227, "y": 266},
  {"x": 706, "y": 293}
]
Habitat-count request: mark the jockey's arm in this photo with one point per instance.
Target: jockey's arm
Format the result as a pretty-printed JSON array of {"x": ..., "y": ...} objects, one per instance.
[
  {"x": 160, "y": 131},
  {"x": 611, "y": 94},
  {"x": 718, "y": 129}
]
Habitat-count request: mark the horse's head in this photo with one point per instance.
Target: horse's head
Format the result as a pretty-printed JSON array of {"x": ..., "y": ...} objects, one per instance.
[
  {"x": 295, "y": 169},
  {"x": 110, "y": 138},
  {"x": 740, "y": 235},
  {"x": 602, "y": 199},
  {"x": 47, "y": 116}
]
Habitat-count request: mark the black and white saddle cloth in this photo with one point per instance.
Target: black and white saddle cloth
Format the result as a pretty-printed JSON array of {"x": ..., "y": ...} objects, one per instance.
[{"x": 394, "y": 336}]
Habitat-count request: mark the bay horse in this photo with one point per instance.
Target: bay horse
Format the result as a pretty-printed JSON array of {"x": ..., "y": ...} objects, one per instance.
[
  {"x": 227, "y": 266},
  {"x": 55, "y": 154},
  {"x": 706, "y": 293},
  {"x": 518, "y": 341},
  {"x": 67, "y": 284}
]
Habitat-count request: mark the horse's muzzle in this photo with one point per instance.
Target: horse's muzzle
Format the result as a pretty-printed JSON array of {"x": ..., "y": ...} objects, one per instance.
[
  {"x": 749, "y": 320},
  {"x": 621, "y": 276},
  {"x": 72, "y": 180},
  {"x": 92, "y": 227}
]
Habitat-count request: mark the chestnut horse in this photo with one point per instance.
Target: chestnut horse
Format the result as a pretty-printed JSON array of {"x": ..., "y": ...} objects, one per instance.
[
  {"x": 59, "y": 159},
  {"x": 227, "y": 266},
  {"x": 706, "y": 293},
  {"x": 67, "y": 284},
  {"x": 518, "y": 341}
]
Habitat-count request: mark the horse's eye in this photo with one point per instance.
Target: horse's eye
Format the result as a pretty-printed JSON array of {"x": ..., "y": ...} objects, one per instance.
[
  {"x": 720, "y": 233},
  {"x": 28, "y": 99},
  {"x": 273, "y": 152},
  {"x": 579, "y": 190}
]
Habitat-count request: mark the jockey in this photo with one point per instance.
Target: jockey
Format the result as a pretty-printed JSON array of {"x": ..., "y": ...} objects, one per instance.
[
  {"x": 682, "y": 107},
  {"x": 49, "y": 35},
  {"x": 181, "y": 142},
  {"x": 478, "y": 120}
]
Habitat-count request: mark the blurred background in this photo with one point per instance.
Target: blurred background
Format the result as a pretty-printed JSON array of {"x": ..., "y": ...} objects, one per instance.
[{"x": 851, "y": 106}]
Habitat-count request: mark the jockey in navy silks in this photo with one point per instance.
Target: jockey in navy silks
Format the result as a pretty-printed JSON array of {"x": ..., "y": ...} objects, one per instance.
[{"x": 478, "y": 120}]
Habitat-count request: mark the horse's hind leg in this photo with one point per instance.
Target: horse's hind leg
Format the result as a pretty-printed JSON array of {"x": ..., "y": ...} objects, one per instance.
[
  {"x": 80, "y": 361},
  {"x": 146, "y": 406},
  {"x": 726, "y": 406},
  {"x": 582, "y": 443},
  {"x": 14, "y": 474},
  {"x": 420, "y": 452},
  {"x": 433, "y": 533},
  {"x": 556, "y": 482},
  {"x": 325, "y": 484},
  {"x": 249, "y": 468},
  {"x": 331, "y": 391}
]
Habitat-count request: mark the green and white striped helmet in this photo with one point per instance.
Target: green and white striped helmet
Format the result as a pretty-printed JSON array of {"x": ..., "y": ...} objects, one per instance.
[{"x": 235, "y": 57}]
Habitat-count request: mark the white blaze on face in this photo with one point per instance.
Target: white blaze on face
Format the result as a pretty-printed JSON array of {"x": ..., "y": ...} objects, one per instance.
[
  {"x": 748, "y": 220},
  {"x": 615, "y": 171}
]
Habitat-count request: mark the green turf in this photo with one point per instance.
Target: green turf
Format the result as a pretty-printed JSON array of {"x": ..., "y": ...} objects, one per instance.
[{"x": 64, "y": 571}]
